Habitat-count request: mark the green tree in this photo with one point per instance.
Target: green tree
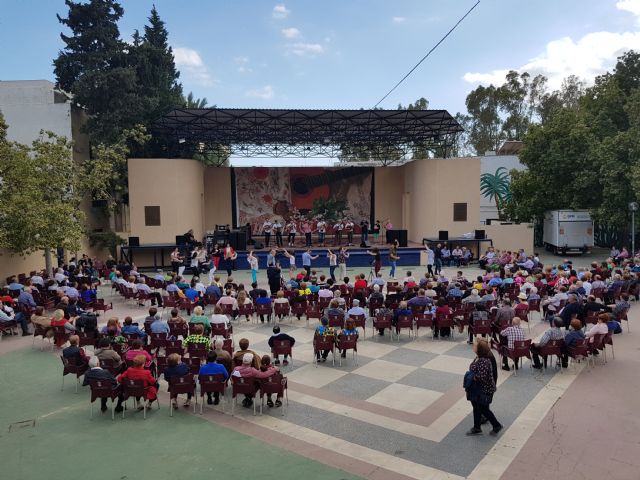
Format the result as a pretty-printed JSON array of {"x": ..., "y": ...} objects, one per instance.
[
  {"x": 40, "y": 196},
  {"x": 485, "y": 131},
  {"x": 191, "y": 102}
]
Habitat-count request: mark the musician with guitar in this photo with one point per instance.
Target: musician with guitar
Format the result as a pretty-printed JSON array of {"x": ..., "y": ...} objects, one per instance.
[
  {"x": 307, "y": 230},
  {"x": 337, "y": 231},
  {"x": 322, "y": 231},
  {"x": 292, "y": 229},
  {"x": 349, "y": 226},
  {"x": 277, "y": 228}
]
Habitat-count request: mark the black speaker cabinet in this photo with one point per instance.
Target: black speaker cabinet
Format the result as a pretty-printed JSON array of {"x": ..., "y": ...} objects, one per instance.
[
  {"x": 134, "y": 241},
  {"x": 400, "y": 235},
  {"x": 480, "y": 235},
  {"x": 238, "y": 240},
  {"x": 181, "y": 240},
  {"x": 443, "y": 235}
]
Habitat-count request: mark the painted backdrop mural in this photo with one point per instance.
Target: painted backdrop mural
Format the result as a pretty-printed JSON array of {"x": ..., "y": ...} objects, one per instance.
[{"x": 297, "y": 193}]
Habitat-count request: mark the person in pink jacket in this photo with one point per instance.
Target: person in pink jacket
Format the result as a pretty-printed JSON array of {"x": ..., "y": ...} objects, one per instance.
[
  {"x": 599, "y": 328},
  {"x": 246, "y": 370}
]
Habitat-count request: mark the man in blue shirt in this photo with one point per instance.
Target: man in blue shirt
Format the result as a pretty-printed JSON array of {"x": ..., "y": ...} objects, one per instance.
[
  {"x": 131, "y": 329},
  {"x": 159, "y": 326},
  {"x": 213, "y": 368},
  {"x": 306, "y": 260},
  {"x": 14, "y": 285},
  {"x": 26, "y": 298},
  {"x": 455, "y": 291},
  {"x": 496, "y": 281}
]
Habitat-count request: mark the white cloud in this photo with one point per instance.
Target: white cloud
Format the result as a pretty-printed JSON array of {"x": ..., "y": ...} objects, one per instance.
[
  {"x": 242, "y": 64},
  {"x": 591, "y": 55},
  {"x": 190, "y": 63},
  {"x": 291, "y": 32},
  {"x": 632, "y": 6},
  {"x": 399, "y": 19},
  {"x": 280, "y": 11},
  {"x": 306, "y": 49},
  {"x": 264, "y": 93}
]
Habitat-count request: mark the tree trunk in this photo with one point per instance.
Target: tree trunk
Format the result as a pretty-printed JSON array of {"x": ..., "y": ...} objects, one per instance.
[{"x": 47, "y": 260}]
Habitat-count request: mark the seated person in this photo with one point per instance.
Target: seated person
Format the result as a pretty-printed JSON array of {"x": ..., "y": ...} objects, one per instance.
[
  {"x": 621, "y": 308},
  {"x": 197, "y": 337},
  {"x": 175, "y": 368},
  {"x": 224, "y": 357},
  {"x": 73, "y": 353},
  {"x": 137, "y": 350},
  {"x": 600, "y": 328},
  {"x": 277, "y": 335},
  {"x": 360, "y": 282},
  {"x": 265, "y": 366},
  {"x": 138, "y": 372},
  {"x": 512, "y": 333},
  {"x": 334, "y": 308},
  {"x": 176, "y": 317},
  {"x": 522, "y": 305},
  {"x": 349, "y": 329},
  {"x": 96, "y": 373},
  {"x": 59, "y": 320},
  {"x": 130, "y": 329},
  {"x": 356, "y": 309},
  {"x": 105, "y": 352},
  {"x": 247, "y": 370},
  {"x": 570, "y": 339},
  {"x": 403, "y": 309},
  {"x": 199, "y": 317},
  {"x": 212, "y": 367},
  {"x": 39, "y": 319},
  {"x": 219, "y": 318},
  {"x": 473, "y": 297},
  {"x": 592, "y": 305},
  {"x": 158, "y": 325},
  {"x": 553, "y": 333},
  {"x": 112, "y": 328},
  {"x": 263, "y": 299},
  {"x": 244, "y": 349},
  {"x": 324, "y": 330},
  {"x": 480, "y": 313}
]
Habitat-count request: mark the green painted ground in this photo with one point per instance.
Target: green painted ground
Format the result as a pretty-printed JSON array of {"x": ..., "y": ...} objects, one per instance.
[{"x": 66, "y": 444}]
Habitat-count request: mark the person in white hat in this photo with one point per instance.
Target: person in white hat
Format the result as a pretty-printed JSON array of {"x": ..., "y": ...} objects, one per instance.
[{"x": 522, "y": 305}]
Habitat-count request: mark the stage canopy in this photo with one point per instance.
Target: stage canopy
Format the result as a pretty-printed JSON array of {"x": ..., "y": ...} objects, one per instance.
[{"x": 368, "y": 135}]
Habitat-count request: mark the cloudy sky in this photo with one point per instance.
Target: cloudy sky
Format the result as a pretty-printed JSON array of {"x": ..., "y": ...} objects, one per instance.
[{"x": 348, "y": 53}]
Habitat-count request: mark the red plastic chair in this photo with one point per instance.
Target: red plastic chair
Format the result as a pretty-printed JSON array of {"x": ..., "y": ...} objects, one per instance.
[
  {"x": 281, "y": 310},
  {"x": 404, "y": 321},
  {"x": 598, "y": 345},
  {"x": 552, "y": 348},
  {"x": 110, "y": 365},
  {"x": 99, "y": 305},
  {"x": 336, "y": 321},
  {"x": 243, "y": 386},
  {"x": 591, "y": 318},
  {"x": 276, "y": 384},
  {"x": 374, "y": 305},
  {"x": 212, "y": 384},
  {"x": 383, "y": 321},
  {"x": 173, "y": 346},
  {"x": 534, "y": 306},
  {"x": 71, "y": 368},
  {"x": 347, "y": 342},
  {"x": 158, "y": 340},
  {"x": 60, "y": 335},
  {"x": 220, "y": 330},
  {"x": 523, "y": 315},
  {"x": 299, "y": 309},
  {"x": 323, "y": 343},
  {"x": 423, "y": 320},
  {"x": 264, "y": 310},
  {"x": 521, "y": 349},
  {"x": 282, "y": 347},
  {"x": 481, "y": 327},
  {"x": 245, "y": 310},
  {"x": 194, "y": 361},
  {"x": 179, "y": 330},
  {"x": 360, "y": 321},
  {"x": 579, "y": 351},
  {"x": 39, "y": 331},
  {"x": 101, "y": 389},
  {"x": 313, "y": 311},
  {"x": 182, "y": 385},
  {"x": 445, "y": 320},
  {"x": 136, "y": 389}
]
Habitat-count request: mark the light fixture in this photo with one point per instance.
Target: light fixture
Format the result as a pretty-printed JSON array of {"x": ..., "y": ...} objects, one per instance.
[{"x": 181, "y": 140}]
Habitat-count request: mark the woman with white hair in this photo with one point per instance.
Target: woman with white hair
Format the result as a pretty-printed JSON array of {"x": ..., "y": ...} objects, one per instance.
[{"x": 199, "y": 317}]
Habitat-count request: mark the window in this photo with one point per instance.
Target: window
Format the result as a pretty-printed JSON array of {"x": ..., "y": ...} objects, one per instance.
[
  {"x": 152, "y": 216},
  {"x": 459, "y": 212}
]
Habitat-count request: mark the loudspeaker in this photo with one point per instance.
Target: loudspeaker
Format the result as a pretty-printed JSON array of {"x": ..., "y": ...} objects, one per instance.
[
  {"x": 400, "y": 235},
  {"x": 238, "y": 240},
  {"x": 443, "y": 235},
  {"x": 480, "y": 235},
  {"x": 365, "y": 244},
  {"x": 181, "y": 240},
  {"x": 257, "y": 244},
  {"x": 134, "y": 241}
]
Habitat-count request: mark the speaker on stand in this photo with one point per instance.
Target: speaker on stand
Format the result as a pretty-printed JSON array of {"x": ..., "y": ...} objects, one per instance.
[{"x": 443, "y": 235}]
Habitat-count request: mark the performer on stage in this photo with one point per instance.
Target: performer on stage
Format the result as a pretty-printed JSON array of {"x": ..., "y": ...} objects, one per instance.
[
  {"x": 393, "y": 257},
  {"x": 291, "y": 229},
  {"x": 342, "y": 261},
  {"x": 306, "y": 260},
  {"x": 214, "y": 262},
  {"x": 377, "y": 260},
  {"x": 322, "y": 231},
  {"x": 377, "y": 227},
  {"x": 229, "y": 256},
  {"x": 292, "y": 262},
  {"x": 176, "y": 260},
  {"x": 349, "y": 226},
  {"x": 333, "y": 263},
  {"x": 253, "y": 264},
  {"x": 364, "y": 231},
  {"x": 337, "y": 230},
  {"x": 267, "y": 226},
  {"x": 277, "y": 227},
  {"x": 307, "y": 230}
]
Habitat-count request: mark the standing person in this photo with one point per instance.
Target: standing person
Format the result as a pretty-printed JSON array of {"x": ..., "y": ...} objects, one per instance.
[
  {"x": 306, "y": 260},
  {"x": 291, "y": 229},
  {"x": 176, "y": 260},
  {"x": 349, "y": 226},
  {"x": 430, "y": 258},
  {"x": 253, "y": 264},
  {"x": 342, "y": 261},
  {"x": 322, "y": 231},
  {"x": 277, "y": 228},
  {"x": 193, "y": 264},
  {"x": 480, "y": 385},
  {"x": 364, "y": 231},
  {"x": 267, "y": 227},
  {"x": 393, "y": 258},
  {"x": 377, "y": 227},
  {"x": 377, "y": 259},
  {"x": 337, "y": 231},
  {"x": 307, "y": 230},
  {"x": 333, "y": 263},
  {"x": 292, "y": 262},
  {"x": 437, "y": 259},
  {"x": 214, "y": 261},
  {"x": 274, "y": 278},
  {"x": 229, "y": 256},
  {"x": 271, "y": 258}
]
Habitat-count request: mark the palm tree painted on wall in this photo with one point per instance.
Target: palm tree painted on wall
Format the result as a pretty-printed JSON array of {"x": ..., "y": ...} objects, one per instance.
[{"x": 497, "y": 187}]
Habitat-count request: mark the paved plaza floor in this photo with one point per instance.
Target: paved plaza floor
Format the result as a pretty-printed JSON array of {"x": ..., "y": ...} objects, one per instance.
[{"x": 399, "y": 412}]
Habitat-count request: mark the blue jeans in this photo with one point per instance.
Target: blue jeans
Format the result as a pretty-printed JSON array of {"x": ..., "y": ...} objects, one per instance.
[
  {"x": 438, "y": 265},
  {"x": 365, "y": 236},
  {"x": 393, "y": 269},
  {"x": 321, "y": 237},
  {"x": 22, "y": 320}
]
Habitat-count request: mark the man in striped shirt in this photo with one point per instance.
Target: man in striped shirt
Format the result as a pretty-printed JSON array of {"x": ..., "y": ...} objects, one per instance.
[{"x": 512, "y": 333}]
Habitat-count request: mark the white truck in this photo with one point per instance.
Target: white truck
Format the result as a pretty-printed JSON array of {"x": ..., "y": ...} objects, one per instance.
[{"x": 568, "y": 231}]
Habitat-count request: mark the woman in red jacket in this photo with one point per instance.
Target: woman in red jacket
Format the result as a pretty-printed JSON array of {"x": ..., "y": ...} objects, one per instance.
[{"x": 137, "y": 372}]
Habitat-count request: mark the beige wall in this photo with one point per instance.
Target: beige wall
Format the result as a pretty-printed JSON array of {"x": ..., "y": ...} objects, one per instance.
[
  {"x": 14, "y": 264},
  {"x": 431, "y": 187},
  {"x": 388, "y": 187},
  {"x": 177, "y": 187},
  {"x": 511, "y": 237},
  {"x": 217, "y": 197}
]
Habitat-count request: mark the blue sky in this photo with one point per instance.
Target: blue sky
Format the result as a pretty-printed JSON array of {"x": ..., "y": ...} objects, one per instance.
[{"x": 347, "y": 53}]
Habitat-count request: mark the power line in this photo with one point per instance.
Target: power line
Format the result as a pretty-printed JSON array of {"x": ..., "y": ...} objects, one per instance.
[{"x": 428, "y": 53}]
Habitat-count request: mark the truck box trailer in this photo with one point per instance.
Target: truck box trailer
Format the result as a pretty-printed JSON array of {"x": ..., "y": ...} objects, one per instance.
[{"x": 568, "y": 231}]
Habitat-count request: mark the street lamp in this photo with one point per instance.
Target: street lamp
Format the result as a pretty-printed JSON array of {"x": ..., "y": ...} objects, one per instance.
[{"x": 633, "y": 206}]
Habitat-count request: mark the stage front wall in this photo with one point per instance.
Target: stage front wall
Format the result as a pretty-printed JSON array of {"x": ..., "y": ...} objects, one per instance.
[{"x": 263, "y": 193}]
